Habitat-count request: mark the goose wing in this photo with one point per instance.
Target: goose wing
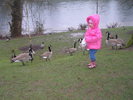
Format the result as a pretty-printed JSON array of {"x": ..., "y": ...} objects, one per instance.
[
  {"x": 120, "y": 40},
  {"x": 72, "y": 49},
  {"x": 22, "y": 56},
  {"x": 46, "y": 54},
  {"x": 114, "y": 41}
]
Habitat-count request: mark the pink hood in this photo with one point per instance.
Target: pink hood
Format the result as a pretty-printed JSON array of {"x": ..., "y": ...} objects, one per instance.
[
  {"x": 95, "y": 19},
  {"x": 93, "y": 36}
]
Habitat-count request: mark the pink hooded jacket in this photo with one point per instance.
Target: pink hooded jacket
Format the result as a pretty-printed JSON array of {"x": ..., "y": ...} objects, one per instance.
[{"x": 93, "y": 36}]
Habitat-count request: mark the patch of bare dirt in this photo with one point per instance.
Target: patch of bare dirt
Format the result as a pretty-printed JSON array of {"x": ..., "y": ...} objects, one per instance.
[{"x": 34, "y": 47}]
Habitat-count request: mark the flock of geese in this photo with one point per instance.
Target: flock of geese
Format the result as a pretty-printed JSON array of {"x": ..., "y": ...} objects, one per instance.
[
  {"x": 24, "y": 57},
  {"x": 28, "y": 56}
]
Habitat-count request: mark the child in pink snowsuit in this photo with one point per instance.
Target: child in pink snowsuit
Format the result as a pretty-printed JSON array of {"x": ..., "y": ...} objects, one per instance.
[{"x": 93, "y": 38}]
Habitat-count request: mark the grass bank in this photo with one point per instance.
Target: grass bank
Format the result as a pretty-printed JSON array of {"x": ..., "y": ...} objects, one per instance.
[{"x": 66, "y": 77}]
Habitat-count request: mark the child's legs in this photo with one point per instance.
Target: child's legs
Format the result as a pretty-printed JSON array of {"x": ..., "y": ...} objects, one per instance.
[{"x": 92, "y": 53}]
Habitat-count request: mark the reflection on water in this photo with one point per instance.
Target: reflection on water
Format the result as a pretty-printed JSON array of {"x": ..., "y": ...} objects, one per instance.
[{"x": 58, "y": 15}]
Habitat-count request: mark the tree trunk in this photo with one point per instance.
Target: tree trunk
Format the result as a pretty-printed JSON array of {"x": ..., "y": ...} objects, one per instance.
[{"x": 16, "y": 22}]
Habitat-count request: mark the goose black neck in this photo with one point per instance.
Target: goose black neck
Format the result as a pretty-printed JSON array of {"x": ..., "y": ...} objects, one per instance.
[
  {"x": 75, "y": 45},
  {"x": 108, "y": 35},
  {"x": 80, "y": 40},
  {"x": 14, "y": 55},
  {"x": 30, "y": 54},
  {"x": 49, "y": 49},
  {"x": 30, "y": 50},
  {"x": 116, "y": 36},
  {"x": 31, "y": 57}
]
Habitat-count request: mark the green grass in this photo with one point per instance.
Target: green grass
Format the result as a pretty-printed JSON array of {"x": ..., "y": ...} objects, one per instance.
[{"x": 66, "y": 77}]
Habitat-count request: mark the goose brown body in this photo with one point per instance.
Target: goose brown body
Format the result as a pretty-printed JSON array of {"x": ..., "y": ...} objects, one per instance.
[
  {"x": 48, "y": 54},
  {"x": 23, "y": 57},
  {"x": 71, "y": 50},
  {"x": 114, "y": 42}
]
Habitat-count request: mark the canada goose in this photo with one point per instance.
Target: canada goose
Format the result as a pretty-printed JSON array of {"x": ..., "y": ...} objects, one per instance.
[
  {"x": 110, "y": 36},
  {"x": 80, "y": 41},
  {"x": 120, "y": 40},
  {"x": 81, "y": 46},
  {"x": 113, "y": 42},
  {"x": 71, "y": 50},
  {"x": 23, "y": 57},
  {"x": 48, "y": 54}
]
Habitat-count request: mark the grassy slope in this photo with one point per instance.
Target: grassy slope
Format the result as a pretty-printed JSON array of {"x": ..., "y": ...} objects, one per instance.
[{"x": 66, "y": 77}]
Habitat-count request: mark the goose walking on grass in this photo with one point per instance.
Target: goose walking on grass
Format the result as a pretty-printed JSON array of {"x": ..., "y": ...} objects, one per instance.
[
  {"x": 81, "y": 46},
  {"x": 48, "y": 54},
  {"x": 122, "y": 42},
  {"x": 23, "y": 57},
  {"x": 71, "y": 50},
  {"x": 114, "y": 42}
]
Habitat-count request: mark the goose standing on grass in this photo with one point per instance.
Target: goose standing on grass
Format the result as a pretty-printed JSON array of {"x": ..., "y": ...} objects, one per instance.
[
  {"x": 120, "y": 40},
  {"x": 48, "y": 54},
  {"x": 23, "y": 57},
  {"x": 81, "y": 46},
  {"x": 71, "y": 50},
  {"x": 80, "y": 41},
  {"x": 113, "y": 42}
]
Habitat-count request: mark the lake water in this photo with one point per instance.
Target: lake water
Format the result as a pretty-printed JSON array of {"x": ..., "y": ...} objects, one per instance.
[{"x": 58, "y": 15}]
